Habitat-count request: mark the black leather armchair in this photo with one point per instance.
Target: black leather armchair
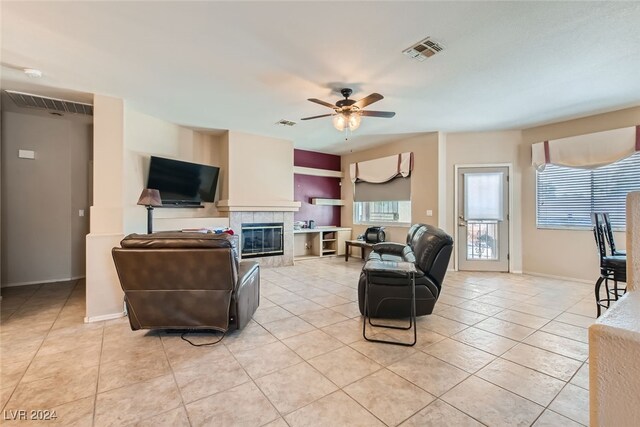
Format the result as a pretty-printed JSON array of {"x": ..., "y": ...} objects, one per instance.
[{"x": 429, "y": 248}]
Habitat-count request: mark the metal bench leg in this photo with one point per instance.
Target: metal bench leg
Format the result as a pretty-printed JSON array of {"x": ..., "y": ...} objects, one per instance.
[
  {"x": 597, "y": 290},
  {"x": 412, "y": 317}
]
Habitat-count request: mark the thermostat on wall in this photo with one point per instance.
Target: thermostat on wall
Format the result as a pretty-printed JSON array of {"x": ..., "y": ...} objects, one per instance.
[{"x": 26, "y": 154}]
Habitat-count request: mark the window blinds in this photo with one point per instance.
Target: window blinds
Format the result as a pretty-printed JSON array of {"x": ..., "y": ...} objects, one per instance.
[
  {"x": 568, "y": 196},
  {"x": 395, "y": 190}
]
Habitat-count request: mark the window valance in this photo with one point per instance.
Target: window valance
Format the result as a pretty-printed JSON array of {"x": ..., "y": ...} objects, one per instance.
[
  {"x": 587, "y": 151},
  {"x": 383, "y": 169}
]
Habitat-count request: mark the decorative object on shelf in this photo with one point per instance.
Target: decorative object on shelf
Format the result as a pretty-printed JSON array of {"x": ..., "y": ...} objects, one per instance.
[
  {"x": 298, "y": 225},
  {"x": 312, "y": 224},
  {"x": 348, "y": 113},
  {"x": 150, "y": 198},
  {"x": 209, "y": 230},
  {"x": 326, "y": 202}
]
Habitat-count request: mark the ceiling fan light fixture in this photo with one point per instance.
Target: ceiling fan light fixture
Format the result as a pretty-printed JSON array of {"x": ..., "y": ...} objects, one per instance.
[
  {"x": 347, "y": 113},
  {"x": 339, "y": 121},
  {"x": 354, "y": 121},
  {"x": 346, "y": 119}
]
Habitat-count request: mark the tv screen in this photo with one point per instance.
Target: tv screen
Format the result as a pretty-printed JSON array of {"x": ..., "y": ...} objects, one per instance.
[{"x": 182, "y": 182}]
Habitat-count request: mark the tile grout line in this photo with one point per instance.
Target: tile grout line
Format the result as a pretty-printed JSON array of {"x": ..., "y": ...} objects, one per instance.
[
  {"x": 95, "y": 396},
  {"x": 252, "y": 380},
  {"x": 42, "y": 342},
  {"x": 175, "y": 381}
]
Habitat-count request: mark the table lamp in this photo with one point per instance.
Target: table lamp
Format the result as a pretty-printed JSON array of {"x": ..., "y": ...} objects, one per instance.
[{"x": 150, "y": 198}]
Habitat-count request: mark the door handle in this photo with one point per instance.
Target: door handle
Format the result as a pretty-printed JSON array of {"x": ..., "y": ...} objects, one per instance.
[{"x": 462, "y": 223}]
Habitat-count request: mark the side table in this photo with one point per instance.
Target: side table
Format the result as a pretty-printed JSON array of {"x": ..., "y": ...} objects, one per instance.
[
  {"x": 359, "y": 244},
  {"x": 396, "y": 269}
]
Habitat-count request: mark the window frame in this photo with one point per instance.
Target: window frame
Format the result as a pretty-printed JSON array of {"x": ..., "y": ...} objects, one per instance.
[{"x": 382, "y": 223}]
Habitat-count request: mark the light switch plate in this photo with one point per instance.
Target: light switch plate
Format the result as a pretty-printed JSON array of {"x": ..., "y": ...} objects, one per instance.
[
  {"x": 429, "y": 212},
  {"x": 81, "y": 212},
  {"x": 26, "y": 154}
]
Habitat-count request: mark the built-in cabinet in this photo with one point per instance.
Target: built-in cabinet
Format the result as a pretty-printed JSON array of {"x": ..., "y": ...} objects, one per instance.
[{"x": 319, "y": 242}]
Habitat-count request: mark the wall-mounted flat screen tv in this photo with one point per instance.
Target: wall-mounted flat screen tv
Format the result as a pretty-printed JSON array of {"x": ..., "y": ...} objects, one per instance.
[{"x": 182, "y": 183}]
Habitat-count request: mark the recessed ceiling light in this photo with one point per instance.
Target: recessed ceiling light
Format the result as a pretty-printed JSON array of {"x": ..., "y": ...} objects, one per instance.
[{"x": 33, "y": 73}]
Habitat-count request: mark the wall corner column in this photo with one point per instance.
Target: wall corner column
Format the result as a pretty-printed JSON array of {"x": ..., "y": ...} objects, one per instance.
[
  {"x": 104, "y": 298},
  {"x": 443, "y": 220},
  {"x": 614, "y": 343}
]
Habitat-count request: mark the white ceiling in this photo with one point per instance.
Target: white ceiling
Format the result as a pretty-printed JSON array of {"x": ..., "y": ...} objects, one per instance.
[{"x": 246, "y": 65}]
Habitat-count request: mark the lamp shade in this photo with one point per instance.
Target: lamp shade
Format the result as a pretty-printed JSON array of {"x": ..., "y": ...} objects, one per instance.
[{"x": 150, "y": 197}]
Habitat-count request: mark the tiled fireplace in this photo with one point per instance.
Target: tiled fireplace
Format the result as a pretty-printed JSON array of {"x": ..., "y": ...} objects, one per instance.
[{"x": 259, "y": 238}]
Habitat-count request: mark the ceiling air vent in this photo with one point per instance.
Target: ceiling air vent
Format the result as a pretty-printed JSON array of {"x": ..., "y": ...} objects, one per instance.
[
  {"x": 423, "y": 50},
  {"x": 284, "y": 122},
  {"x": 28, "y": 100}
]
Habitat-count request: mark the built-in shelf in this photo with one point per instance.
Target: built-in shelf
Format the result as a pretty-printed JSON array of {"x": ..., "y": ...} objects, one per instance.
[
  {"x": 317, "y": 172},
  {"x": 320, "y": 241},
  {"x": 326, "y": 202}
]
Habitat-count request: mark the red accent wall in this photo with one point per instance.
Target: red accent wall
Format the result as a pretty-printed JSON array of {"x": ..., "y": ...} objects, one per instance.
[
  {"x": 312, "y": 159},
  {"x": 308, "y": 186}
]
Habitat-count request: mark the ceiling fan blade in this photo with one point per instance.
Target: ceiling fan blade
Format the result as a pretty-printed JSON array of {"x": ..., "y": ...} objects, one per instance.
[
  {"x": 326, "y": 104},
  {"x": 385, "y": 114},
  {"x": 317, "y": 117},
  {"x": 368, "y": 100}
]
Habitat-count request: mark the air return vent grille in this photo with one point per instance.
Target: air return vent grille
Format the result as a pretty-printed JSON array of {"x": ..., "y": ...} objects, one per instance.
[
  {"x": 28, "y": 100},
  {"x": 423, "y": 50}
]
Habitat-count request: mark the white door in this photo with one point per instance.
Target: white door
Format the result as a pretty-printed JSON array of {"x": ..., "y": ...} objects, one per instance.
[{"x": 483, "y": 218}]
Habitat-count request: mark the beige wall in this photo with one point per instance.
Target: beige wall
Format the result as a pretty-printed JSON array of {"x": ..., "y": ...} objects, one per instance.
[
  {"x": 124, "y": 139},
  {"x": 477, "y": 148},
  {"x": 80, "y": 170},
  {"x": 145, "y": 136},
  {"x": 108, "y": 172},
  {"x": 223, "y": 179},
  {"x": 260, "y": 169},
  {"x": 424, "y": 182},
  {"x": 104, "y": 295},
  {"x": 44, "y": 236},
  {"x": 559, "y": 253},
  {"x": 563, "y": 253}
]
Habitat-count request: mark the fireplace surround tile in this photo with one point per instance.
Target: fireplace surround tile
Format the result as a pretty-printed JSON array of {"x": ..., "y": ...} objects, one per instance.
[{"x": 236, "y": 219}]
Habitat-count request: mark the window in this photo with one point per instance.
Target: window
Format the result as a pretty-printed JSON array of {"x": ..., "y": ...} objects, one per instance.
[
  {"x": 382, "y": 212},
  {"x": 567, "y": 196}
]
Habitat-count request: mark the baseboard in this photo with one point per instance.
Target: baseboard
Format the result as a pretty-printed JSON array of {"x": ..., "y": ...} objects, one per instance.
[
  {"x": 41, "y": 282},
  {"x": 551, "y": 276},
  {"x": 516, "y": 272},
  {"x": 104, "y": 317}
]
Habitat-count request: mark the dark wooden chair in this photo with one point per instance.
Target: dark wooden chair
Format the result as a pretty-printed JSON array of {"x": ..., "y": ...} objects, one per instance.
[{"x": 613, "y": 263}]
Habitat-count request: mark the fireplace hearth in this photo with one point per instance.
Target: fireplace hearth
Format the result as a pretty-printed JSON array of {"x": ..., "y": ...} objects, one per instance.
[{"x": 262, "y": 239}]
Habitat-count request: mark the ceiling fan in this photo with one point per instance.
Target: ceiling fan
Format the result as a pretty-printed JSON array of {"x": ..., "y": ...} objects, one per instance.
[{"x": 347, "y": 112}]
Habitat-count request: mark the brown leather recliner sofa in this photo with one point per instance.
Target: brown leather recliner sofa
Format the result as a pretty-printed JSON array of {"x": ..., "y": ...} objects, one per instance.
[
  {"x": 175, "y": 280},
  {"x": 429, "y": 248}
]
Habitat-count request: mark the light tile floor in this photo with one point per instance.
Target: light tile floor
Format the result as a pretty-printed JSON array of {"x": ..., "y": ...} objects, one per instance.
[{"x": 500, "y": 349}]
